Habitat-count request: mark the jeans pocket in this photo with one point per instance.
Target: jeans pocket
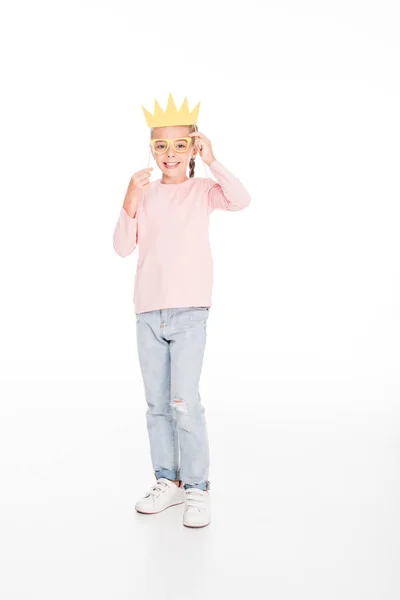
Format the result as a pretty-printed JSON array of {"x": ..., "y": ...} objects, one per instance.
[{"x": 198, "y": 313}]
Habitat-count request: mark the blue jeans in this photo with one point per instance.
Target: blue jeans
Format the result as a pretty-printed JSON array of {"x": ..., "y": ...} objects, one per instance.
[{"x": 171, "y": 343}]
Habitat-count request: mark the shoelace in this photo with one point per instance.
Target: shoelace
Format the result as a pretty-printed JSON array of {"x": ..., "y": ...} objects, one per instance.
[
  {"x": 157, "y": 489},
  {"x": 194, "y": 499}
]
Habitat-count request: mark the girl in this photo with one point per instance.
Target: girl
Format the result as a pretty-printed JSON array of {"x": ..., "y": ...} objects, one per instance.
[{"x": 168, "y": 220}]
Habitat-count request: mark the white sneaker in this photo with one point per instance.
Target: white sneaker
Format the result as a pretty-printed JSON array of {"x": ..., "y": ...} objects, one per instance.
[
  {"x": 163, "y": 494},
  {"x": 197, "y": 512}
]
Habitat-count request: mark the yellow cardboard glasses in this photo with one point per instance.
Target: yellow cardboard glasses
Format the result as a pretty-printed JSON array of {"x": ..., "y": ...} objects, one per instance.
[{"x": 160, "y": 146}]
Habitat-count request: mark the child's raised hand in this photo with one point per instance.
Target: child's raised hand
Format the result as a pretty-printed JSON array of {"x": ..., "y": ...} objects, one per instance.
[
  {"x": 140, "y": 179},
  {"x": 203, "y": 146},
  {"x": 133, "y": 195}
]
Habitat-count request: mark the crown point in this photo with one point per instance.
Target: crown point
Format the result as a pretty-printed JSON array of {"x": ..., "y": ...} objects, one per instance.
[{"x": 171, "y": 116}]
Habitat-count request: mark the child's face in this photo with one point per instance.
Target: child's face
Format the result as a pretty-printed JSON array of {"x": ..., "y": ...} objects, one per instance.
[{"x": 172, "y": 156}]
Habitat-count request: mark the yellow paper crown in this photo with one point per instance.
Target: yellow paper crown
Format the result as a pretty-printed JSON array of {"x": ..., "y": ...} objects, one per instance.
[{"x": 171, "y": 116}]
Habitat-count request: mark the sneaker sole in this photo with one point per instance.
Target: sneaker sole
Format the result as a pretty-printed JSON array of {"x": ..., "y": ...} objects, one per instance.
[
  {"x": 196, "y": 526},
  {"x": 156, "y": 512}
]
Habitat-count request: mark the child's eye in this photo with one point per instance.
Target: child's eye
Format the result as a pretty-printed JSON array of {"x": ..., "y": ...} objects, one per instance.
[{"x": 181, "y": 145}]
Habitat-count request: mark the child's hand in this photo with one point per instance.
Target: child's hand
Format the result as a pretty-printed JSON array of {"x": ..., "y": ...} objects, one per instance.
[
  {"x": 203, "y": 146},
  {"x": 133, "y": 195},
  {"x": 139, "y": 179}
]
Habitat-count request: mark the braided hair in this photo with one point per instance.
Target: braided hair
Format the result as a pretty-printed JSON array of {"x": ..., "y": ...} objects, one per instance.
[
  {"x": 191, "y": 167},
  {"x": 192, "y": 160}
]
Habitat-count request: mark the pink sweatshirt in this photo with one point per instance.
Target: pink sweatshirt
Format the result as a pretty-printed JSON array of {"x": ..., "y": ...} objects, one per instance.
[{"x": 175, "y": 266}]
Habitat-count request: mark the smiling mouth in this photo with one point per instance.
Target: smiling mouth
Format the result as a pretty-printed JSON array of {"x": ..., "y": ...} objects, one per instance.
[{"x": 171, "y": 165}]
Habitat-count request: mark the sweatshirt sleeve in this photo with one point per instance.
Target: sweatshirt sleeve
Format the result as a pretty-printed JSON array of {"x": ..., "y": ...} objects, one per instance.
[
  {"x": 228, "y": 193},
  {"x": 125, "y": 234}
]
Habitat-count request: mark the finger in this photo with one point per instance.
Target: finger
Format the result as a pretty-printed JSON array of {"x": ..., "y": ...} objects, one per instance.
[
  {"x": 143, "y": 181},
  {"x": 199, "y": 135},
  {"x": 140, "y": 174},
  {"x": 141, "y": 177}
]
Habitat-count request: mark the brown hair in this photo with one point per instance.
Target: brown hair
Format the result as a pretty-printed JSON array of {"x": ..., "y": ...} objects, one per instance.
[{"x": 192, "y": 160}]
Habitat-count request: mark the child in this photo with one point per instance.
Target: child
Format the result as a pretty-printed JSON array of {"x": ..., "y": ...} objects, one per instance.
[{"x": 168, "y": 220}]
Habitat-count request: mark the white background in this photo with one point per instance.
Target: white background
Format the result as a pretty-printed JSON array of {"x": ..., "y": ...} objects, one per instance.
[{"x": 301, "y": 376}]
